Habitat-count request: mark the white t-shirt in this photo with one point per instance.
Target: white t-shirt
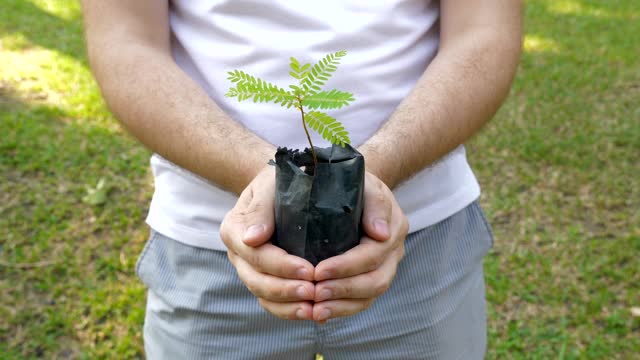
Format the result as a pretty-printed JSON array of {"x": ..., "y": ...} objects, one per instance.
[{"x": 389, "y": 42}]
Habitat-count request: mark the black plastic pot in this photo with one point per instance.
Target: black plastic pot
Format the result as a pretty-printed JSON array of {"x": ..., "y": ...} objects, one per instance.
[{"x": 318, "y": 216}]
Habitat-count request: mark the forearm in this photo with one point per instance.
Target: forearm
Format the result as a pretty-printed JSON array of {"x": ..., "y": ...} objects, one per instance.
[
  {"x": 170, "y": 114},
  {"x": 458, "y": 93}
]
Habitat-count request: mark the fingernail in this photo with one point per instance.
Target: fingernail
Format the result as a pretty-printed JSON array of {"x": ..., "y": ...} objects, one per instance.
[
  {"x": 302, "y": 292},
  {"x": 303, "y": 274},
  {"x": 324, "y": 295},
  {"x": 253, "y": 231},
  {"x": 382, "y": 227},
  {"x": 300, "y": 314},
  {"x": 324, "y": 314}
]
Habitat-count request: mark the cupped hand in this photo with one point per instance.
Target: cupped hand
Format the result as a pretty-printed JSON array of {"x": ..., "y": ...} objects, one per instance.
[
  {"x": 281, "y": 282},
  {"x": 349, "y": 283}
]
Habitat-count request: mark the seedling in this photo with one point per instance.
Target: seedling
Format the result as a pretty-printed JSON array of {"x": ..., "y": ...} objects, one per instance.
[
  {"x": 317, "y": 216},
  {"x": 306, "y": 95}
]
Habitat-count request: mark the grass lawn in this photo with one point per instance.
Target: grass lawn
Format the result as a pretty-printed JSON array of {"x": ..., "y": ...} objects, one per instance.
[{"x": 559, "y": 166}]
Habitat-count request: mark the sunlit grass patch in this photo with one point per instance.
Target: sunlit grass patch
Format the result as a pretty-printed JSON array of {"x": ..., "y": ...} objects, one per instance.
[{"x": 533, "y": 43}]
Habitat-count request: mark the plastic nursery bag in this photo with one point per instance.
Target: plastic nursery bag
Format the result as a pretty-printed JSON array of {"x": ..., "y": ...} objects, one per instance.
[{"x": 318, "y": 216}]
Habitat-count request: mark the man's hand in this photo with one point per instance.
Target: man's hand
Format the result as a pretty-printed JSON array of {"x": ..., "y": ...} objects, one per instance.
[
  {"x": 349, "y": 283},
  {"x": 281, "y": 282}
]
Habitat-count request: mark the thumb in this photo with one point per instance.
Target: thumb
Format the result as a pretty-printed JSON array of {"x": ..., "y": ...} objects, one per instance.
[
  {"x": 376, "y": 215},
  {"x": 257, "y": 234},
  {"x": 259, "y": 217}
]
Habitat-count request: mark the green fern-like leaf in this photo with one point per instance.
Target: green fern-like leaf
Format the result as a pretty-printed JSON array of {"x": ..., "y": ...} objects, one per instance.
[
  {"x": 250, "y": 87},
  {"x": 320, "y": 72},
  {"x": 333, "y": 99},
  {"x": 329, "y": 128},
  {"x": 307, "y": 93},
  {"x": 298, "y": 71}
]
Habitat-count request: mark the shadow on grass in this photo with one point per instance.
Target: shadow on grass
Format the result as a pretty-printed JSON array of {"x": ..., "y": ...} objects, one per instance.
[
  {"x": 575, "y": 88},
  {"x": 559, "y": 169},
  {"x": 64, "y": 263},
  {"x": 42, "y": 28}
]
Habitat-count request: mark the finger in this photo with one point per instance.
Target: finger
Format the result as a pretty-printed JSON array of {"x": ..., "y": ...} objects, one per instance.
[
  {"x": 269, "y": 287},
  {"x": 248, "y": 223},
  {"x": 234, "y": 229},
  {"x": 337, "y": 308},
  {"x": 258, "y": 210},
  {"x": 363, "y": 258},
  {"x": 272, "y": 260},
  {"x": 288, "y": 310},
  {"x": 363, "y": 286},
  {"x": 376, "y": 215}
]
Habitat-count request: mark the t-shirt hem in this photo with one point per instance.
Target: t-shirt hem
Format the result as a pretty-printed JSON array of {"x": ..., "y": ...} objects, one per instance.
[
  {"x": 443, "y": 209},
  {"x": 211, "y": 239},
  {"x": 203, "y": 239}
]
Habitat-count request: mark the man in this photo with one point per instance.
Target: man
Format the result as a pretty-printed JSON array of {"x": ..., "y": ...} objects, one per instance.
[{"x": 426, "y": 75}]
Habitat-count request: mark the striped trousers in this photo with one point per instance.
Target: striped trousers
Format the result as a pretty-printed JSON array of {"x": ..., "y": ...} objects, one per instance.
[{"x": 197, "y": 308}]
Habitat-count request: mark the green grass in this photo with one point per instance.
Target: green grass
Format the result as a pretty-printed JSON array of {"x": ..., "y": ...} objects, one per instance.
[{"x": 559, "y": 166}]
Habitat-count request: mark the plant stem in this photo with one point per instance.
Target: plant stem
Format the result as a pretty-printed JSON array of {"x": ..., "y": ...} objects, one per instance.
[{"x": 313, "y": 152}]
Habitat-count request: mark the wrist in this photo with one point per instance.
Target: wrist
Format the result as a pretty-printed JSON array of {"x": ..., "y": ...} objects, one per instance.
[
  {"x": 376, "y": 164},
  {"x": 252, "y": 167}
]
